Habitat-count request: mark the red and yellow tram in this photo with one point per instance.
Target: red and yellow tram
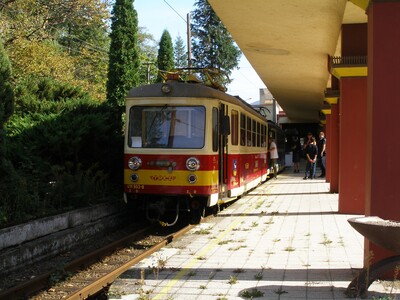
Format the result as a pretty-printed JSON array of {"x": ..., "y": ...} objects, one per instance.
[{"x": 190, "y": 147}]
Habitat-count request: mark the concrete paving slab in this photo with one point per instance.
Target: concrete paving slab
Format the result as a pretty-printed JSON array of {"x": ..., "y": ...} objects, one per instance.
[{"x": 284, "y": 240}]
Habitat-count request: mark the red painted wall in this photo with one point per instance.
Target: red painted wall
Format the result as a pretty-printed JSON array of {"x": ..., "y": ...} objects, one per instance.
[
  {"x": 328, "y": 148},
  {"x": 383, "y": 106},
  {"x": 354, "y": 39},
  {"x": 334, "y": 149},
  {"x": 353, "y": 114}
]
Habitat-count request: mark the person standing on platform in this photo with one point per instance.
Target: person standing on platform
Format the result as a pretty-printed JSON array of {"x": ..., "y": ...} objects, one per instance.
[
  {"x": 311, "y": 156},
  {"x": 306, "y": 143},
  {"x": 273, "y": 151},
  {"x": 296, "y": 149},
  {"x": 322, "y": 153}
]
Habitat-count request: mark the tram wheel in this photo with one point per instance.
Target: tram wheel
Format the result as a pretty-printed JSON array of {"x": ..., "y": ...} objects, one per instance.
[
  {"x": 212, "y": 210},
  {"x": 196, "y": 214}
]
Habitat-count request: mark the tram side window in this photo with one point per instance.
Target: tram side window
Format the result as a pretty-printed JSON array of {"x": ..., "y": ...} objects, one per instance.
[
  {"x": 135, "y": 128},
  {"x": 258, "y": 134},
  {"x": 248, "y": 131},
  {"x": 242, "y": 130},
  {"x": 254, "y": 133},
  {"x": 263, "y": 136},
  {"x": 215, "y": 129},
  {"x": 234, "y": 127}
]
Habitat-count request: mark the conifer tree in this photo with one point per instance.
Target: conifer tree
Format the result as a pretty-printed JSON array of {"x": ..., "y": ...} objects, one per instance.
[
  {"x": 180, "y": 53},
  {"x": 212, "y": 45},
  {"x": 165, "y": 58},
  {"x": 123, "y": 70}
]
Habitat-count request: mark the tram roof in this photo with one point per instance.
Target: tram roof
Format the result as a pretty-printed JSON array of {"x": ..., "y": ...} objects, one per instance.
[{"x": 188, "y": 90}]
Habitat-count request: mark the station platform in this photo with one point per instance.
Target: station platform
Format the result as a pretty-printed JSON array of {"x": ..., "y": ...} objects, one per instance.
[{"x": 283, "y": 240}]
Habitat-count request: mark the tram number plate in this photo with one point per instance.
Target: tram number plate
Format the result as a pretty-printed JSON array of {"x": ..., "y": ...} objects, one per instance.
[{"x": 136, "y": 186}]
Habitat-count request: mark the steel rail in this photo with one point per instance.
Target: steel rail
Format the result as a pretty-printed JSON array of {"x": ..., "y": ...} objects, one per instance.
[
  {"x": 40, "y": 282},
  {"x": 106, "y": 280}
]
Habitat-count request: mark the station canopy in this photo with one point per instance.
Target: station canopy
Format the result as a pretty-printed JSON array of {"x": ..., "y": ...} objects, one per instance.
[{"x": 288, "y": 43}]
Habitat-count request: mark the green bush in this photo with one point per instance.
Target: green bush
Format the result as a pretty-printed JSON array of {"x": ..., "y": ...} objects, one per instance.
[
  {"x": 44, "y": 95},
  {"x": 18, "y": 197},
  {"x": 73, "y": 187},
  {"x": 67, "y": 152}
]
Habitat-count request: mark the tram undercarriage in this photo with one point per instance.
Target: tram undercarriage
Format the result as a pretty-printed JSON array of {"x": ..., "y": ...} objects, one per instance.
[{"x": 166, "y": 210}]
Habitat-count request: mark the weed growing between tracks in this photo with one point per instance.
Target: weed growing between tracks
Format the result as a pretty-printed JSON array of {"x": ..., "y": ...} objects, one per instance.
[{"x": 60, "y": 274}]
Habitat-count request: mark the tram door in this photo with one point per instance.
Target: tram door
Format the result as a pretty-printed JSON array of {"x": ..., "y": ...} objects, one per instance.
[{"x": 224, "y": 131}]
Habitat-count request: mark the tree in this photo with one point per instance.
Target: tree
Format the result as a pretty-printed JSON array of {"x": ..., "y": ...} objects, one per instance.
[
  {"x": 88, "y": 44},
  {"x": 180, "y": 54},
  {"x": 39, "y": 20},
  {"x": 148, "y": 56},
  {"x": 165, "y": 58},
  {"x": 123, "y": 70},
  {"x": 213, "y": 46},
  {"x": 41, "y": 59},
  {"x": 62, "y": 39}
]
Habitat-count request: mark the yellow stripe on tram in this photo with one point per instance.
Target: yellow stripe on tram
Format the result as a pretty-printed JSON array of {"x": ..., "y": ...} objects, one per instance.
[{"x": 175, "y": 178}]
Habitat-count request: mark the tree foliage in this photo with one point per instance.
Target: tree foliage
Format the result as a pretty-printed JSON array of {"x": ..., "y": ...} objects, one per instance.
[
  {"x": 64, "y": 148},
  {"x": 165, "y": 58},
  {"x": 148, "y": 57},
  {"x": 123, "y": 70},
  {"x": 212, "y": 46},
  {"x": 67, "y": 40},
  {"x": 42, "y": 19},
  {"x": 60, "y": 149},
  {"x": 41, "y": 59},
  {"x": 180, "y": 54},
  {"x": 88, "y": 46}
]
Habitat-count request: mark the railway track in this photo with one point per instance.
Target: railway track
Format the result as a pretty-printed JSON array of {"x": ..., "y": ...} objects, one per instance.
[{"x": 93, "y": 273}]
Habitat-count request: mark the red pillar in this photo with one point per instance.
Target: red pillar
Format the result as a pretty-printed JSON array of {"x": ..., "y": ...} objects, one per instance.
[
  {"x": 334, "y": 149},
  {"x": 328, "y": 148},
  {"x": 383, "y": 105},
  {"x": 352, "y": 140}
]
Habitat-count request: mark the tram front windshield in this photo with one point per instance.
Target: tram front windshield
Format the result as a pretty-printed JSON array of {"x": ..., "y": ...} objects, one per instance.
[{"x": 166, "y": 127}]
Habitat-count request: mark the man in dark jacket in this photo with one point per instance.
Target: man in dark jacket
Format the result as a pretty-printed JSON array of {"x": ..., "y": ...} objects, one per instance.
[
  {"x": 311, "y": 156},
  {"x": 322, "y": 153}
]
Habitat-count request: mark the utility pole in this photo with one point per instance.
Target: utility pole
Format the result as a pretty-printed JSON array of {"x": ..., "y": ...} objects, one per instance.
[
  {"x": 189, "y": 45},
  {"x": 147, "y": 64},
  {"x": 274, "y": 110}
]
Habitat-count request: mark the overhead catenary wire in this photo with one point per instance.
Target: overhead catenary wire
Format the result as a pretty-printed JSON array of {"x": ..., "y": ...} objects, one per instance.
[
  {"x": 245, "y": 77},
  {"x": 184, "y": 20},
  {"x": 187, "y": 21}
]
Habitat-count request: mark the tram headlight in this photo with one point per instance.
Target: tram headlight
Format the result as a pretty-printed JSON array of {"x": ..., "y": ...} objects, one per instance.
[
  {"x": 192, "y": 164},
  {"x": 166, "y": 88},
  {"x": 134, "y": 163}
]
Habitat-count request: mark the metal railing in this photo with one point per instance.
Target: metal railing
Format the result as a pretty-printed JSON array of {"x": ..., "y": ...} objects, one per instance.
[
  {"x": 342, "y": 61},
  {"x": 332, "y": 93}
]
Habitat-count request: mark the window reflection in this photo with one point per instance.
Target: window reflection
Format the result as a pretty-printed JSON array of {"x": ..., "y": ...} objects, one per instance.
[{"x": 166, "y": 127}]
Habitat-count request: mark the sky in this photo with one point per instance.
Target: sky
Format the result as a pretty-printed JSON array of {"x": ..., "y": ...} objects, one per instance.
[{"x": 158, "y": 15}]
